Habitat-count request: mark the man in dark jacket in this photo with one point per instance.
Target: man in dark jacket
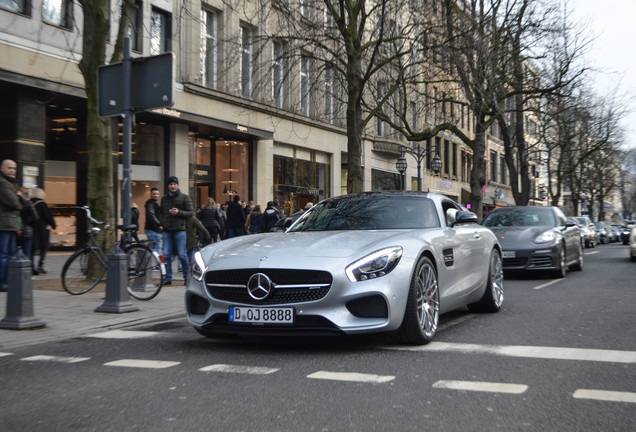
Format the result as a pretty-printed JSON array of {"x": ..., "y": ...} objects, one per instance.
[
  {"x": 176, "y": 209},
  {"x": 235, "y": 225},
  {"x": 152, "y": 227},
  {"x": 10, "y": 207},
  {"x": 271, "y": 215}
]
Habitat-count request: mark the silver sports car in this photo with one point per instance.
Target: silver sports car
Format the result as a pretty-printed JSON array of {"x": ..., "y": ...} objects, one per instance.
[{"x": 360, "y": 263}]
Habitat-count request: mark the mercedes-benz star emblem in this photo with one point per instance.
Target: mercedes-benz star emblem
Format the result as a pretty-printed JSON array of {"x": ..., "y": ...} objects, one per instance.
[{"x": 259, "y": 286}]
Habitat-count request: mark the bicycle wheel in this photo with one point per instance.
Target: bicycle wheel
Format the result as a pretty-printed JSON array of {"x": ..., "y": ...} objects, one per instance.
[
  {"x": 145, "y": 272},
  {"x": 82, "y": 271}
]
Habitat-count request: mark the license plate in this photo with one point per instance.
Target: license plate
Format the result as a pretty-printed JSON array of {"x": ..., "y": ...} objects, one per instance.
[
  {"x": 508, "y": 254},
  {"x": 261, "y": 315}
]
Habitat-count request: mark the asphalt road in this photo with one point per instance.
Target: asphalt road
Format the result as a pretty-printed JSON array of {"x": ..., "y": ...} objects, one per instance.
[{"x": 560, "y": 356}]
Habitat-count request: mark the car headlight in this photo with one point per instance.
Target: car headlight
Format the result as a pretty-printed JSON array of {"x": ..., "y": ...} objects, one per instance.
[
  {"x": 197, "y": 268},
  {"x": 545, "y": 237},
  {"x": 374, "y": 265}
]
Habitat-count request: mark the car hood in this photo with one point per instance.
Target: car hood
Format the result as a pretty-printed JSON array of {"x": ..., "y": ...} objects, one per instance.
[
  {"x": 508, "y": 236},
  {"x": 299, "y": 245}
]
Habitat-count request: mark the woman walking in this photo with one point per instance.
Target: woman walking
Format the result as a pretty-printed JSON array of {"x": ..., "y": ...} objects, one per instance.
[
  {"x": 41, "y": 234},
  {"x": 210, "y": 218},
  {"x": 255, "y": 223}
]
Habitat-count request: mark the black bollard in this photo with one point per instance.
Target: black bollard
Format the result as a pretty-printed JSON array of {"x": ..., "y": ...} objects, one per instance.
[
  {"x": 20, "y": 295},
  {"x": 117, "y": 300}
]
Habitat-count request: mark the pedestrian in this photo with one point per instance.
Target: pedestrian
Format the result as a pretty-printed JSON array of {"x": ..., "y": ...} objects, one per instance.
[
  {"x": 271, "y": 215},
  {"x": 152, "y": 226},
  {"x": 235, "y": 218},
  {"x": 28, "y": 219},
  {"x": 210, "y": 218},
  {"x": 10, "y": 206},
  {"x": 134, "y": 220},
  {"x": 176, "y": 209},
  {"x": 223, "y": 215},
  {"x": 42, "y": 230},
  {"x": 194, "y": 232},
  {"x": 254, "y": 223}
]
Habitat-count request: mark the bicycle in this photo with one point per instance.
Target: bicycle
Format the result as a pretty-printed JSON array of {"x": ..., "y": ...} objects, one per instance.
[{"x": 86, "y": 267}]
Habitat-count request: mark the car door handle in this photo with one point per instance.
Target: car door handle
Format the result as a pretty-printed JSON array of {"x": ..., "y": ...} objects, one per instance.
[{"x": 477, "y": 235}]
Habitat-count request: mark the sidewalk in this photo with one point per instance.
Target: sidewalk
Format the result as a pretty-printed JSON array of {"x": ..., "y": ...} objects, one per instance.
[{"x": 67, "y": 316}]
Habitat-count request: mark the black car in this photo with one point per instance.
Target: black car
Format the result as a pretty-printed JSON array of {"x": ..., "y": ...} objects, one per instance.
[{"x": 537, "y": 238}]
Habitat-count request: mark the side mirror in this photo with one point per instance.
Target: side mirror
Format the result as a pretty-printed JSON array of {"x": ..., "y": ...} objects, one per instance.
[
  {"x": 288, "y": 222},
  {"x": 463, "y": 217},
  {"x": 570, "y": 223}
]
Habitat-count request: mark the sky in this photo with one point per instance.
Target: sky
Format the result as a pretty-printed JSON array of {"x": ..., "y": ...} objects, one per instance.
[{"x": 613, "y": 50}]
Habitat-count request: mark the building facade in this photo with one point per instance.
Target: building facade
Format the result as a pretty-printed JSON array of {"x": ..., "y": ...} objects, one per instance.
[{"x": 234, "y": 129}]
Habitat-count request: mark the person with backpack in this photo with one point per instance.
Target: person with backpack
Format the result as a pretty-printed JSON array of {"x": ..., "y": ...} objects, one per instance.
[
  {"x": 271, "y": 215},
  {"x": 41, "y": 231}
]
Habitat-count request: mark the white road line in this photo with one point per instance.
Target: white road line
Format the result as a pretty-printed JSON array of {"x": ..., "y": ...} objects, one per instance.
[
  {"x": 351, "y": 376},
  {"x": 455, "y": 322},
  {"x": 3, "y": 354},
  {"x": 481, "y": 386},
  {"x": 240, "y": 369},
  {"x": 147, "y": 364},
  {"x": 553, "y": 353},
  {"x": 56, "y": 359},
  {"x": 591, "y": 253},
  {"x": 604, "y": 395},
  {"x": 538, "y": 287},
  {"x": 122, "y": 334}
]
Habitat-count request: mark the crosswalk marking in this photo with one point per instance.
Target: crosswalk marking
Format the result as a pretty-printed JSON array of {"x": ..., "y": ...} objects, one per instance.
[
  {"x": 553, "y": 353},
  {"x": 56, "y": 359},
  {"x": 481, "y": 386},
  {"x": 253, "y": 370},
  {"x": 122, "y": 334},
  {"x": 351, "y": 376},
  {"x": 605, "y": 395},
  {"x": 147, "y": 364}
]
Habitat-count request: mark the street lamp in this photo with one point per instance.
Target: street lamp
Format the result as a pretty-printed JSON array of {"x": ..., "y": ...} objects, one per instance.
[
  {"x": 400, "y": 165},
  {"x": 419, "y": 154}
]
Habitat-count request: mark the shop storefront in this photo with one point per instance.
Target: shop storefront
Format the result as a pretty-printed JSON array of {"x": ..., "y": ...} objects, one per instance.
[{"x": 300, "y": 181}]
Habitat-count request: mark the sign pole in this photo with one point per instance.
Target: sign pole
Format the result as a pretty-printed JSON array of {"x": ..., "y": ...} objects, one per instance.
[{"x": 127, "y": 117}]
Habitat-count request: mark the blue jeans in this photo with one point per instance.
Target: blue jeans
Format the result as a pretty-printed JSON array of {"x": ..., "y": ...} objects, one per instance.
[
  {"x": 174, "y": 243},
  {"x": 8, "y": 248},
  {"x": 155, "y": 237},
  {"x": 235, "y": 232}
]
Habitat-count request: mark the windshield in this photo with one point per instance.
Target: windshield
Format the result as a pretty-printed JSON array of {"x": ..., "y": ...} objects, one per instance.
[
  {"x": 369, "y": 212},
  {"x": 520, "y": 216}
]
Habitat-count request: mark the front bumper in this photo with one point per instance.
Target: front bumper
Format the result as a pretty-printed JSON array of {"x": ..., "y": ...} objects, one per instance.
[{"x": 545, "y": 258}]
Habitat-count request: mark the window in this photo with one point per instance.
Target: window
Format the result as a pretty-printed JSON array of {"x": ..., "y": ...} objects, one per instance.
[
  {"x": 305, "y": 66},
  {"x": 329, "y": 23},
  {"x": 160, "y": 32},
  {"x": 502, "y": 170},
  {"x": 454, "y": 161},
  {"x": 246, "y": 65},
  {"x": 329, "y": 96},
  {"x": 493, "y": 165},
  {"x": 446, "y": 157},
  {"x": 19, "y": 6},
  {"x": 413, "y": 109},
  {"x": 278, "y": 73},
  {"x": 57, "y": 12},
  {"x": 209, "y": 48},
  {"x": 305, "y": 8},
  {"x": 135, "y": 27},
  {"x": 381, "y": 94}
]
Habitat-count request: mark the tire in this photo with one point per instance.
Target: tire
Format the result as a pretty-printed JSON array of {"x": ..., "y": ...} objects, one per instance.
[
  {"x": 81, "y": 272},
  {"x": 493, "y": 297},
  {"x": 421, "y": 316},
  {"x": 145, "y": 273},
  {"x": 578, "y": 266},
  {"x": 561, "y": 266}
]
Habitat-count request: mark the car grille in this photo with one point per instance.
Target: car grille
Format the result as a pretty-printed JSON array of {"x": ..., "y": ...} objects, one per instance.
[
  {"x": 542, "y": 261},
  {"x": 515, "y": 262},
  {"x": 292, "y": 286}
]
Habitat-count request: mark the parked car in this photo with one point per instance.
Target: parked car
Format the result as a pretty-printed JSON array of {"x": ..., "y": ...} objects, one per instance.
[
  {"x": 632, "y": 245},
  {"x": 359, "y": 263},
  {"x": 537, "y": 238},
  {"x": 627, "y": 230},
  {"x": 601, "y": 232},
  {"x": 587, "y": 231},
  {"x": 613, "y": 233}
]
